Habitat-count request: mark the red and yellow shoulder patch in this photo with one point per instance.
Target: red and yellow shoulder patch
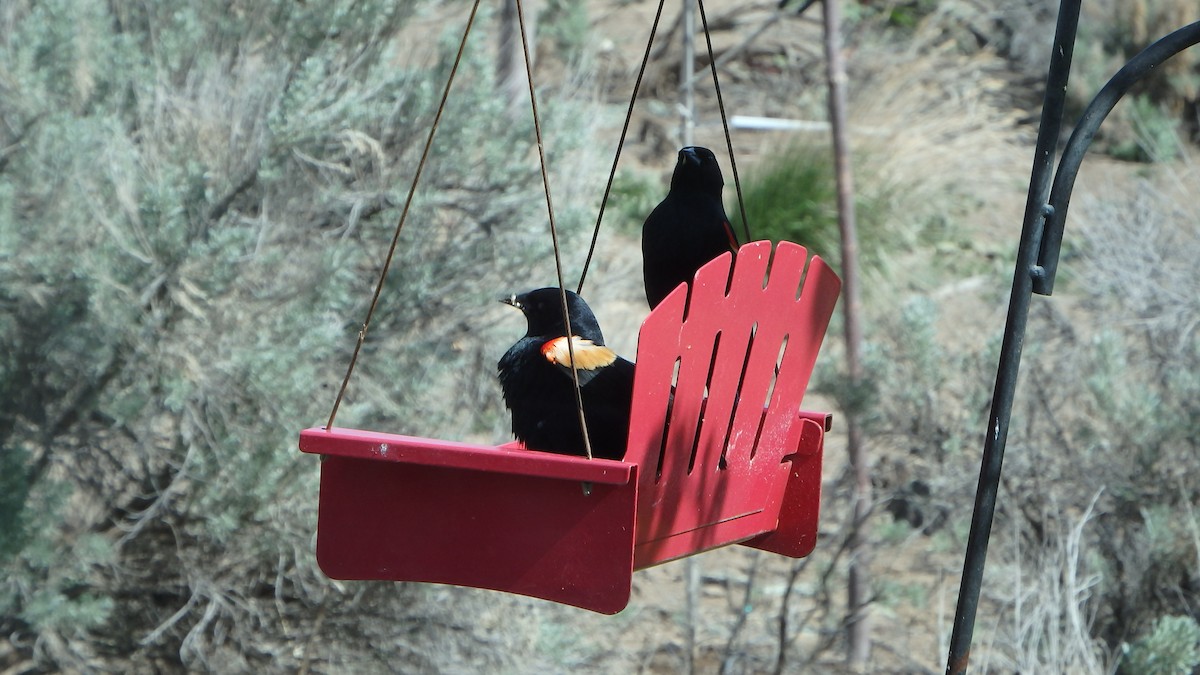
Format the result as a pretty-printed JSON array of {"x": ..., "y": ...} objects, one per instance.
[{"x": 588, "y": 355}]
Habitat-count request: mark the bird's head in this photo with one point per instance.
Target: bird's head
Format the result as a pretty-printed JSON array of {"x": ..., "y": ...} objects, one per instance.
[
  {"x": 543, "y": 312},
  {"x": 697, "y": 169}
]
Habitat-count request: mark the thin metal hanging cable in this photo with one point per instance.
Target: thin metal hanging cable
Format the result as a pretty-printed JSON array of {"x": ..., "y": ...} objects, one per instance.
[
  {"x": 637, "y": 84},
  {"x": 562, "y": 289},
  {"x": 387, "y": 263},
  {"x": 712, "y": 62}
]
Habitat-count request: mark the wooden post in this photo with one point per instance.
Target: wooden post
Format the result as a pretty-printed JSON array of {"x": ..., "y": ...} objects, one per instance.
[{"x": 858, "y": 635}]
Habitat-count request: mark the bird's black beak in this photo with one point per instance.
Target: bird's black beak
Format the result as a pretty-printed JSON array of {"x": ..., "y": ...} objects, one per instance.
[
  {"x": 689, "y": 155},
  {"x": 512, "y": 301}
]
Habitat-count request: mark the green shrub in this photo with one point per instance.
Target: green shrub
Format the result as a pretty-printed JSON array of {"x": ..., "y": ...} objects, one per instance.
[
  {"x": 632, "y": 199},
  {"x": 1163, "y": 103},
  {"x": 1171, "y": 648},
  {"x": 1152, "y": 136},
  {"x": 195, "y": 201},
  {"x": 791, "y": 197},
  {"x": 565, "y": 22}
]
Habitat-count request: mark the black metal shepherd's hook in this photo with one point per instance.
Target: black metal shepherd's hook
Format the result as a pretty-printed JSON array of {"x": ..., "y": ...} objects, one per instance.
[{"x": 1037, "y": 264}]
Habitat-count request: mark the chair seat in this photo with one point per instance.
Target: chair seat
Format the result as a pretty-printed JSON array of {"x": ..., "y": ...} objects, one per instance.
[{"x": 719, "y": 452}]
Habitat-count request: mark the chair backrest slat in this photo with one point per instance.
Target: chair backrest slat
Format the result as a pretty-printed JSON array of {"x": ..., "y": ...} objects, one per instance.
[{"x": 719, "y": 381}]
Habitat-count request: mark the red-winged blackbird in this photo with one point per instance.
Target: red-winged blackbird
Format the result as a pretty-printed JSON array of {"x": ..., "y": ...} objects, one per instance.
[
  {"x": 535, "y": 375},
  {"x": 688, "y": 228}
]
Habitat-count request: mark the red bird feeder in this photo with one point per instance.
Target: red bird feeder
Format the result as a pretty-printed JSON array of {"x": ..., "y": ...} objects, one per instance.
[{"x": 719, "y": 453}]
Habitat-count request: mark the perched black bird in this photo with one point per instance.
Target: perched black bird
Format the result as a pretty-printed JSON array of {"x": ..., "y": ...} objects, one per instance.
[
  {"x": 688, "y": 228},
  {"x": 535, "y": 375}
]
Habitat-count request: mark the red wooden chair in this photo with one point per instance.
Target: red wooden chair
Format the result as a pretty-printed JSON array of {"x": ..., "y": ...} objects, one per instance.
[{"x": 719, "y": 453}]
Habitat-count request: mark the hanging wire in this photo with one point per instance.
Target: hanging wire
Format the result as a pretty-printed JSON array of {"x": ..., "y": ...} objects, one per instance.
[
  {"x": 562, "y": 289},
  {"x": 387, "y": 263},
  {"x": 625, "y": 129},
  {"x": 712, "y": 62},
  {"x": 620, "y": 144}
]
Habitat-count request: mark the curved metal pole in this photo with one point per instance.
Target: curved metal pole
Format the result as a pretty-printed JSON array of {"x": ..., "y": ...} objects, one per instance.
[
  {"x": 1064, "y": 179},
  {"x": 1054, "y": 102},
  {"x": 1037, "y": 263}
]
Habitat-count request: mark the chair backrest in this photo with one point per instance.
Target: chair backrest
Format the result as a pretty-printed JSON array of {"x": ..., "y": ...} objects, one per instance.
[{"x": 719, "y": 381}]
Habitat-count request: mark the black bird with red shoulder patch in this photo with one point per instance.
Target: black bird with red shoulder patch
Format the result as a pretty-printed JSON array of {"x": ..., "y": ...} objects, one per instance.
[
  {"x": 688, "y": 228},
  {"x": 535, "y": 374}
]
